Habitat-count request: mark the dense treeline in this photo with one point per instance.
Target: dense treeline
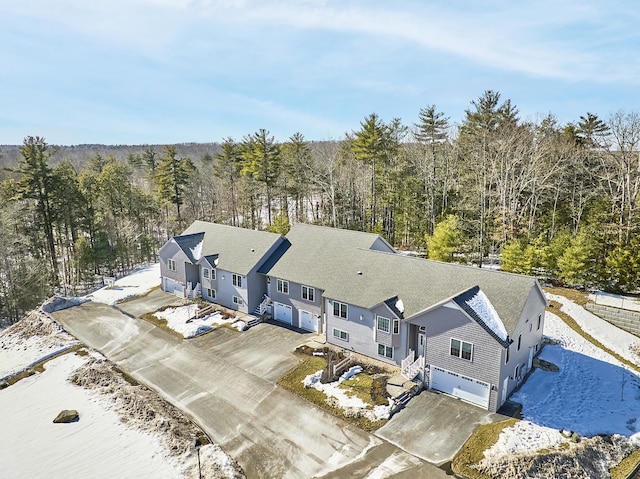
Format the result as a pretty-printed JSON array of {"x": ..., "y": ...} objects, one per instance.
[{"x": 558, "y": 201}]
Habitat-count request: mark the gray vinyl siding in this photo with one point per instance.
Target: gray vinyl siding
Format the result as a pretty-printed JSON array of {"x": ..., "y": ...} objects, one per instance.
[
  {"x": 294, "y": 299},
  {"x": 172, "y": 251},
  {"x": 255, "y": 288},
  {"x": 226, "y": 291},
  {"x": 208, "y": 282},
  {"x": 389, "y": 339},
  {"x": 444, "y": 323},
  {"x": 531, "y": 337},
  {"x": 360, "y": 324}
]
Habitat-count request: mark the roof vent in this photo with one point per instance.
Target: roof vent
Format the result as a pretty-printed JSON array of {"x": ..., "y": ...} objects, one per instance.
[
  {"x": 253, "y": 250},
  {"x": 360, "y": 273}
]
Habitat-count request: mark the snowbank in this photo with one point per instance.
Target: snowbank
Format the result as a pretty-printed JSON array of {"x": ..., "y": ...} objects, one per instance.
[
  {"x": 483, "y": 307},
  {"x": 139, "y": 282}
]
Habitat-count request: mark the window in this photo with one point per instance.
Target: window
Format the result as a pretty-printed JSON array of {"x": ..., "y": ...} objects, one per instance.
[
  {"x": 530, "y": 327},
  {"x": 171, "y": 264},
  {"x": 396, "y": 326},
  {"x": 237, "y": 301},
  {"x": 213, "y": 274},
  {"x": 337, "y": 333},
  {"x": 516, "y": 372},
  {"x": 461, "y": 349},
  {"x": 539, "y": 321},
  {"x": 340, "y": 310},
  {"x": 519, "y": 341},
  {"x": 211, "y": 293},
  {"x": 506, "y": 360},
  {"x": 236, "y": 279},
  {"x": 283, "y": 286},
  {"x": 308, "y": 293},
  {"x": 205, "y": 273},
  {"x": 383, "y": 324},
  {"x": 385, "y": 351}
]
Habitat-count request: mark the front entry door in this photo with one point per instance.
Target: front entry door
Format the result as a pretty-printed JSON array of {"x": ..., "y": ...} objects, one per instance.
[{"x": 422, "y": 341}]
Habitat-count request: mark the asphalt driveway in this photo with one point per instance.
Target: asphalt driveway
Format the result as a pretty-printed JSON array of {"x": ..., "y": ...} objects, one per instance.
[
  {"x": 226, "y": 381},
  {"x": 434, "y": 426}
]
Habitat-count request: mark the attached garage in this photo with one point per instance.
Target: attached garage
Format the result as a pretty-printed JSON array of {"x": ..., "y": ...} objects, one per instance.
[
  {"x": 172, "y": 286},
  {"x": 308, "y": 320},
  {"x": 457, "y": 385},
  {"x": 282, "y": 312}
]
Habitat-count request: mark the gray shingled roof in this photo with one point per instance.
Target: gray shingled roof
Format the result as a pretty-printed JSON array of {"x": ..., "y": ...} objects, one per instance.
[
  {"x": 331, "y": 259},
  {"x": 238, "y": 249},
  {"x": 188, "y": 243},
  {"x": 367, "y": 278},
  {"x": 308, "y": 258}
]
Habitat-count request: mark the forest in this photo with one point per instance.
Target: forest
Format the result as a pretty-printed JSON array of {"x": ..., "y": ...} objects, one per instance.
[{"x": 558, "y": 201}]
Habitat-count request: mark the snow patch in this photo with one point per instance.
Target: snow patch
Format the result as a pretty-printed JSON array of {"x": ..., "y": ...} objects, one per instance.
[
  {"x": 400, "y": 305},
  {"x": 485, "y": 310},
  {"x": 139, "y": 282},
  {"x": 181, "y": 319},
  {"x": 340, "y": 397},
  {"x": 196, "y": 251}
]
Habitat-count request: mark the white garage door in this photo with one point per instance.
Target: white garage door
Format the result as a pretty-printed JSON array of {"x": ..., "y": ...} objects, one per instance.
[
  {"x": 282, "y": 312},
  {"x": 308, "y": 321},
  {"x": 463, "y": 387},
  {"x": 173, "y": 287}
]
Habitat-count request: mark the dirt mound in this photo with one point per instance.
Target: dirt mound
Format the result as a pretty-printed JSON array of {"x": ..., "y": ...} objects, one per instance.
[
  {"x": 592, "y": 457},
  {"x": 34, "y": 323},
  {"x": 143, "y": 409}
]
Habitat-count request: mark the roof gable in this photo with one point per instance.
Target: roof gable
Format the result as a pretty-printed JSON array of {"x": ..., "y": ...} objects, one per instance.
[
  {"x": 238, "y": 250},
  {"x": 479, "y": 308}
]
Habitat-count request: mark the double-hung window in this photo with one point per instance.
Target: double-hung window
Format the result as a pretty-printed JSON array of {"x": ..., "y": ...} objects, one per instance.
[
  {"x": 236, "y": 279},
  {"x": 171, "y": 264},
  {"x": 282, "y": 286},
  {"x": 308, "y": 293},
  {"x": 383, "y": 324},
  {"x": 340, "y": 310},
  {"x": 461, "y": 349},
  {"x": 205, "y": 273}
]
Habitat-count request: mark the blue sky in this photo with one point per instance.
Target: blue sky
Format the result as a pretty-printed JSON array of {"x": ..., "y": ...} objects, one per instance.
[{"x": 172, "y": 71}]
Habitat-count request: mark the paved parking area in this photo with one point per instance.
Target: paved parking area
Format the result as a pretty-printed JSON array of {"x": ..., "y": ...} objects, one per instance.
[
  {"x": 435, "y": 426},
  {"x": 226, "y": 381}
]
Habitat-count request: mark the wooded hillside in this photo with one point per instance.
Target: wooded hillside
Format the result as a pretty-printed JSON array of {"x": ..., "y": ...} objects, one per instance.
[{"x": 557, "y": 201}]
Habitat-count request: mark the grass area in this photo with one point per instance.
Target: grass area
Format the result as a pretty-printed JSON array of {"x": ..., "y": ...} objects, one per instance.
[
  {"x": 371, "y": 390},
  {"x": 627, "y": 466},
  {"x": 472, "y": 452},
  {"x": 555, "y": 306},
  {"x": 292, "y": 381},
  {"x": 578, "y": 297}
]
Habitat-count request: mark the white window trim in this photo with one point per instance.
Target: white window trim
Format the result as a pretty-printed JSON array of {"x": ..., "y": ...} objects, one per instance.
[
  {"x": 211, "y": 293},
  {"x": 236, "y": 280},
  {"x": 339, "y": 315},
  {"x": 282, "y": 285},
  {"x": 311, "y": 293},
  {"x": 340, "y": 334},
  {"x": 238, "y": 300},
  {"x": 171, "y": 264},
  {"x": 396, "y": 326},
  {"x": 205, "y": 273},
  {"x": 388, "y": 329},
  {"x": 470, "y": 359},
  {"x": 385, "y": 350}
]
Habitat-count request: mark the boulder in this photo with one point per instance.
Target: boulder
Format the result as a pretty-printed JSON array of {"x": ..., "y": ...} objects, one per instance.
[{"x": 68, "y": 415}]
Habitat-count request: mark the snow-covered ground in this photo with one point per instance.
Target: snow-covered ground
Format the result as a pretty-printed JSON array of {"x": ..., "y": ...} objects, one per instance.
[
  {"x": 341, "y": 398},
  {"x": 593, "y": 393},
  {"x": 139, "y": 282},
  {"x": 179, "y": 319},
  {"x": 109, "y": 440}
]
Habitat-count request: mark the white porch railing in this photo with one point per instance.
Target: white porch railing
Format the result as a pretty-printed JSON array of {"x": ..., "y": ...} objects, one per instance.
[
  {"x": 193, "y": 291},
  {"x": 410, "y": 368},
  {"x": 262, "y": 307}
]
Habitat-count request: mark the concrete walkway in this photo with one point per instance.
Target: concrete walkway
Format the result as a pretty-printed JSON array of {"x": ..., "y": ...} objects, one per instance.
[{"x": 226, "y": 381}]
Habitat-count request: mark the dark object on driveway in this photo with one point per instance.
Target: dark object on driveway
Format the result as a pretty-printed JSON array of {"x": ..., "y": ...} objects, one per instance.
[{"x": 68, "y": 415}]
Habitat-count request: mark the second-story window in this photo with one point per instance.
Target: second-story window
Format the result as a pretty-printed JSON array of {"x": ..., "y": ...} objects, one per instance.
[{"x": 236, "y": 279}]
